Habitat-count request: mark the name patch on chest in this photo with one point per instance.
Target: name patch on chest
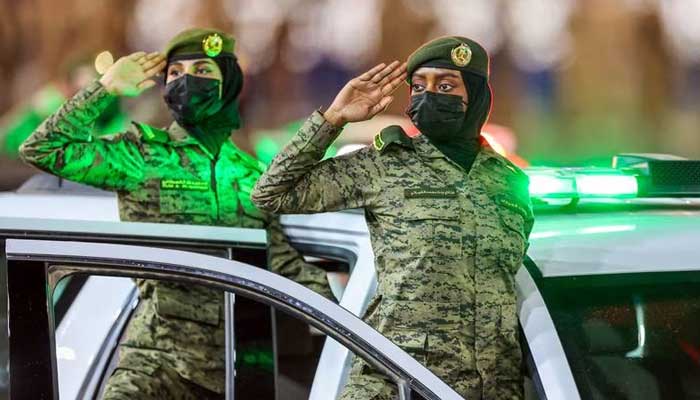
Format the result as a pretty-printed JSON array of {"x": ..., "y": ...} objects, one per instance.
[
  {"x": 430, "y": 193},
  {"x": 184, "y": 184}
]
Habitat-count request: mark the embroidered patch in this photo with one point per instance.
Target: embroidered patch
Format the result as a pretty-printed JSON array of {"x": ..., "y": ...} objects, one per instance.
[
  {"x": 184, "y": 184},
  {"x": 510, "y": 204},
  {"x": 430, "y": 193}
]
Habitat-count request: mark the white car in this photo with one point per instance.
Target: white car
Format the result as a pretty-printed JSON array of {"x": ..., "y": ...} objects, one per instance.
[{"x": 608, "y": 297}]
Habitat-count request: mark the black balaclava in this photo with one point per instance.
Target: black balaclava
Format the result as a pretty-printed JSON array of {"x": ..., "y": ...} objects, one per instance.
[
  {"x": 210, "y": 129},
  {"x": 462, "y": 142}
]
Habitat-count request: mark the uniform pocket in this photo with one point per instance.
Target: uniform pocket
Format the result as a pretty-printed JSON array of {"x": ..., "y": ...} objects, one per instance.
[
  {"x": 185, "y": 202},
  {"x": 411, "y": 341},
  {"x": 420, "y": 315},
  {"x": 366, "y": 384},
  {"x": 513, "y": 221},
  {"x": 509, "y": 345},
  {"x": 513, "y": 243},
  {"x": 137, "y": 360},
  {"x": 193, "y": 304},
  {"x": 448, "y": 356},
  {"x": 433, "y": 229}
]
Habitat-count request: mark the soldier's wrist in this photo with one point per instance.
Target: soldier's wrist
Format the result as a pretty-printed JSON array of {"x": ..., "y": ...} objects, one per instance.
[
  {"x": 107, "y": 86},
  {"x": 334, "y": 118},
  {"x": 95, "y": 96}
]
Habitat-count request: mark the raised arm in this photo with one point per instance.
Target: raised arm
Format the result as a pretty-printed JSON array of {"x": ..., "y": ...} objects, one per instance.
[
  {"x": 298, "y": 182},
  {"x": 64, "y": 143}
]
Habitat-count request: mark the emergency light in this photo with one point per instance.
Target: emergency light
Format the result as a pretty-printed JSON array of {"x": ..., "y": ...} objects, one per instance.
[
  {"x": 558, "y": 183},
  {"x": 632, "y": 175}
]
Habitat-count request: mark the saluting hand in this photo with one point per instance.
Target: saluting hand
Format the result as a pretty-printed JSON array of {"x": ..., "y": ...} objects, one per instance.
[
  {"x": 132, "y": 74},
  {"x": 366, "y": 95}
]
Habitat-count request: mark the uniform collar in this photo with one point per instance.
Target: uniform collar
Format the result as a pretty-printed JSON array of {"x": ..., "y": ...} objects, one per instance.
[
  {"x": 180, "y": 137},
  {"x": 427, "y": 150}
]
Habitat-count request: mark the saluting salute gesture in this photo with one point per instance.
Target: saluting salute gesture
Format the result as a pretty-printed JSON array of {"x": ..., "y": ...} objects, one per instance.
[
  {"x": 439, "y": 205},
  {"x": 366, "y": 95},
  {"x": 133, "y": 74}
]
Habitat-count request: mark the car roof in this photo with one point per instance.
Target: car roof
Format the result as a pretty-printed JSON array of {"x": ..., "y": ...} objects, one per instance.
[
  {"x": 632, "y": 240},
  {"x": 84, "y": 207},
  {"x": 634, "y": 236},
  {"x": 49, "y": 197}
]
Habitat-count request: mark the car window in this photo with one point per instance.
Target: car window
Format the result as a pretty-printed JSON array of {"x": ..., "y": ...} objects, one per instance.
[
  {"x": 297, "y": 353},
  {"x": 110, "y": 270},
  {"x": 276, "y": 354},
  {"x": 629, "y": 336},
  {"x": 65, "y": 292}
]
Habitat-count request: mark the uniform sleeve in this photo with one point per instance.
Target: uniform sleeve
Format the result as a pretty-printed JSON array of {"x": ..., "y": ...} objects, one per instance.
[
  {"x": 285, "y": 260},
  {"x": 298, "y": 181},
  {"x": 64, "y": 145},
  {"x": 529, "y": 220}
]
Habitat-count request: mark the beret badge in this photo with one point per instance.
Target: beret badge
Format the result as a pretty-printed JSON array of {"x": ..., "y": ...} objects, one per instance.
[
  {"x": 212, "y": 45},
  {"x": 461, "y": 55}
]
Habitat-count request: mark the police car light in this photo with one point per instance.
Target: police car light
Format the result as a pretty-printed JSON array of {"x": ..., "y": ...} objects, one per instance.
[
  {"x": 574, "y": 183},
  {"x": 550, "y": 183},
  {"x": 607, "y": 185}
]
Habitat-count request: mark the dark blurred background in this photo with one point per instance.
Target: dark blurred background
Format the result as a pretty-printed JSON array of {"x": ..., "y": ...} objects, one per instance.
[{"x": 575, "y": 81}]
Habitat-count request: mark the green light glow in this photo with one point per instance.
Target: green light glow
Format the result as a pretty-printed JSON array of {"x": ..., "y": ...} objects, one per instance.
[
  {"x": 544, "y": 235},
  {"x": 563, "y": 183},
  {"x": 255, "y": 358},
  {"x": 606, "y": 185},
  {"x": 606, "y": 229},
  {"x": 266, "y": 149},
  {"x": 545, "y": 185}
]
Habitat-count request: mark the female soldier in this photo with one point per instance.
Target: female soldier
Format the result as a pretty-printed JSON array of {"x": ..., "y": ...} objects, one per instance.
[
  {"x": 189, "y": 173},
  {"x": 448, "y": 217}
]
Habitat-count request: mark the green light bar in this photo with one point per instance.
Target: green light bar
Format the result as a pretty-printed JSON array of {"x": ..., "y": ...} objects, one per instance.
[
  {"x": 558, "y": 183},
  {"x": 546, "y": 183},
  {"x": 606, "y": 185}
]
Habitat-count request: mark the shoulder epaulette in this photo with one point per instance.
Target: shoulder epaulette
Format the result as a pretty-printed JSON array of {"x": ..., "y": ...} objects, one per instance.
[
  {"x": 391, "y": 135},
  {"x": 508, "y": 166},
  {"x": 151, "y": 134},
  {"x": 514, "y": 168}
]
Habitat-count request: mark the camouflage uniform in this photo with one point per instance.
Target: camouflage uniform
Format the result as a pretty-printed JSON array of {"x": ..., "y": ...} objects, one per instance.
[
  {"x": 165, "y": 176},
  {"x": 447, "y": 245}
]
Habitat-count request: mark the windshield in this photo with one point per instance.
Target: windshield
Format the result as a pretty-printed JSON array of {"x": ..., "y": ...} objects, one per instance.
[{"x": 630, "y": 336}]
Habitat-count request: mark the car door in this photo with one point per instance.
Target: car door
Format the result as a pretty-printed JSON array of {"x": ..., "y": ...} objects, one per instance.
[
  {"x": 548, "y": 373},
  {"x": 39, "y": 263}
]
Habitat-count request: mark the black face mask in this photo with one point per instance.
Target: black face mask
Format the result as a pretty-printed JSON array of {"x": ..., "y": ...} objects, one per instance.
[
  {"x": 440, "y": 117},
  {"x": 192, "y": 99}
]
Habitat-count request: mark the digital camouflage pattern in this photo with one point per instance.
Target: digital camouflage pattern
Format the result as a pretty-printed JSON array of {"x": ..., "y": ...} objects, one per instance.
[
  {"x": 153, "y": 379},
  {"x": 166, "y": 176},
  {"x": 447, "y": 245},
  {"x": 17, "y": 126}
]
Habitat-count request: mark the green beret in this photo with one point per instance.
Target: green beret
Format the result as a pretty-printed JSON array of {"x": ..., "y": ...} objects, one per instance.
[
  {"x": 199, "y": 42},
  {"x": 451, "y": 52}
]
